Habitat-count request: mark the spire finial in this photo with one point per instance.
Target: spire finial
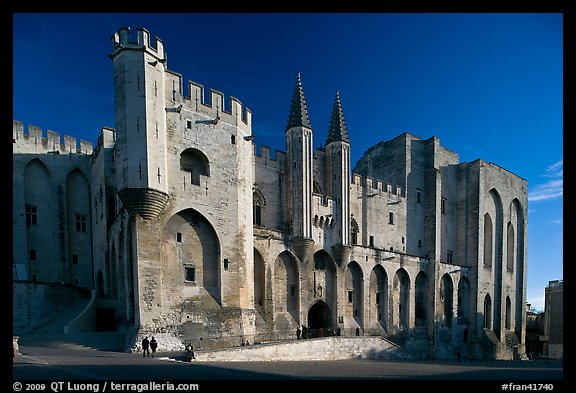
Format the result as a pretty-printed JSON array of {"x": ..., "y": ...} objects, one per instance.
[
  {"x": 298, "y": 116},
  {"x": 337, "y": 130}
]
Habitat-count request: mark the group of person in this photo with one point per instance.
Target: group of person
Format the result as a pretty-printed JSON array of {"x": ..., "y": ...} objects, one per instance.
[
  {"x": 306, "y": 332},
  {"x": 149, "y": 346}
]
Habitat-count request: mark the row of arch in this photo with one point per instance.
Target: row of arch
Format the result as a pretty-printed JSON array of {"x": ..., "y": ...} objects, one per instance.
[
  {"x": 503, "y": 260},
  {"x": 388, "y": 305}
]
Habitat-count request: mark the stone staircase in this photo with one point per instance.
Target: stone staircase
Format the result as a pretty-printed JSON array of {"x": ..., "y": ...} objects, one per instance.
[{"x": 52, "y": 334}]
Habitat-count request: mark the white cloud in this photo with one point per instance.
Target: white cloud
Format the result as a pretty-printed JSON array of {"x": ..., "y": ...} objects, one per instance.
[{"x": 554, "y": 188}]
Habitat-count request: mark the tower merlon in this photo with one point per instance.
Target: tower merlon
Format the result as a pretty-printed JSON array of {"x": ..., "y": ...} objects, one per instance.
[
  {"x": 121, "y": 40},
  {"x": 377, "y": 184},
  {"x": 215, "y": 106}
]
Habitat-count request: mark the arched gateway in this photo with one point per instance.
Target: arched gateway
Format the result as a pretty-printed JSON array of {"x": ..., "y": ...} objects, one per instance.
[{"x": 319, "y": 319}]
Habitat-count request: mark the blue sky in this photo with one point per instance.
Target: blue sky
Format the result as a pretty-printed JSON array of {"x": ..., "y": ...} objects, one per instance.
[{"x": 488, "y": 85}]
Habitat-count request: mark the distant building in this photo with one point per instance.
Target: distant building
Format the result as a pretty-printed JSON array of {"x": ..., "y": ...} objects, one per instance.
[
  {"x": 174, "y": 223},
  {"x": 553, "y": 320}
]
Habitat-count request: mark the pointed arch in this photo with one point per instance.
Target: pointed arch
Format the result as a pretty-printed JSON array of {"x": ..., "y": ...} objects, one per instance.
[
  {"x": 519, "y": 219},
  {"x": 354, "y": 231},
  {"x": 510, "y": 247},
  {"x": 325, "y": 280},
  {"x": 190, "y": 251},
  {"x": 378, "y": 296},
  {"x": 400, "y": 299},
  {"x": 487, "y": 315},
  {"x": 508, "y": 314},
  {"x": 446, "y": 299},
  {"x": 463, "y": 300},
  {"x": 354, "y": 285},
  {"x": 497, "y": 208},
  {"x": 488, "y": 240},
  {"x": 286, "y": 287},
  {"x": 320, "y": 319},
  {"x": 38, "y": 215},
  {"x": 316, "y": 188},
  {"x": 79, "y": 229},
  {"x": 259, "y": 282},
  {"x": 258, "y": 207}
]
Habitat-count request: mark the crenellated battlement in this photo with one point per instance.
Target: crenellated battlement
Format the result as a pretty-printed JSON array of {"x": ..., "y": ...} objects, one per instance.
[
  {"x": 121, "y": 40},
  {"x": 216, "y": 107},
  {"x": 378, "y": 185},
  {"x": 51, "y": 142},
  {"x": 264, "y": 157}
]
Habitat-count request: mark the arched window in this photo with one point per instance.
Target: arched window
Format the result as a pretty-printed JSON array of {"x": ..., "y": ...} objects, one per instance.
[
  {"x": 508, "y": 317},
  {"x": 446, "y": 294},
  {"x": 194, "y": 161},
  {"x": 258, "y": 203}
]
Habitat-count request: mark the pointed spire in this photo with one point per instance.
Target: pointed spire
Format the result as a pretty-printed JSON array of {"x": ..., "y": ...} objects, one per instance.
[
  {"x": 298, "y": 110},
  {"x": 337, "y": 131}
]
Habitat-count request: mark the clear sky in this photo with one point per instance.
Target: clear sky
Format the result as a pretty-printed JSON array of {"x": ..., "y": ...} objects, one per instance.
[{"x": 488, "y": 85}]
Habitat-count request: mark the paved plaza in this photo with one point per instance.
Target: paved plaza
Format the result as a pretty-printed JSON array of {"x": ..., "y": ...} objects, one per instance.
[{"x": 55, "y": 364}]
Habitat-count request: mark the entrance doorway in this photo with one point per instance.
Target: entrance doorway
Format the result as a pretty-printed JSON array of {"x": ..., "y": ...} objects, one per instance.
[{"x": 320, "y": 320}]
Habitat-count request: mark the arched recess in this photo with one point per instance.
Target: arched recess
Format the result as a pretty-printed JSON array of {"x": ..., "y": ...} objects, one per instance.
[
  {"x": 420, "y": 299},
  {"x": 286, "y": 290},
  {"x": 487, "y": 316},
  {"x": 510, "y": 247},
  {"x": 39, "y": 229},
  {"x": 353, "y": 285},
  {"x": 79, "y": 229},
  {"x": 191, "y": 257},
  {"x": 325, "y": 280},
  {"x": 518, "y": 218},
  {"x": 446, "y": 299},
  {"x": 400, "y": 299},
  {"x": 196, "y": 163},
  {"x": 259, "y": 283},
  {"x": 498, "y": 244},
  {"x": 463, "y": 300},
  {"x": 379, "y": 296}
]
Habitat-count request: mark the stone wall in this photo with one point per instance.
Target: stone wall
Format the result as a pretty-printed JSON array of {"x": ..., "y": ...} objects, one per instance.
[{"x": 333, "y": 348}]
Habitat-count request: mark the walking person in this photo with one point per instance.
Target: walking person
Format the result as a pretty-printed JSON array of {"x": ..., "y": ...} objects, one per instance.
[
  {"x": 145, "y": 347},
  {"x": 153, "y": 345}
]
